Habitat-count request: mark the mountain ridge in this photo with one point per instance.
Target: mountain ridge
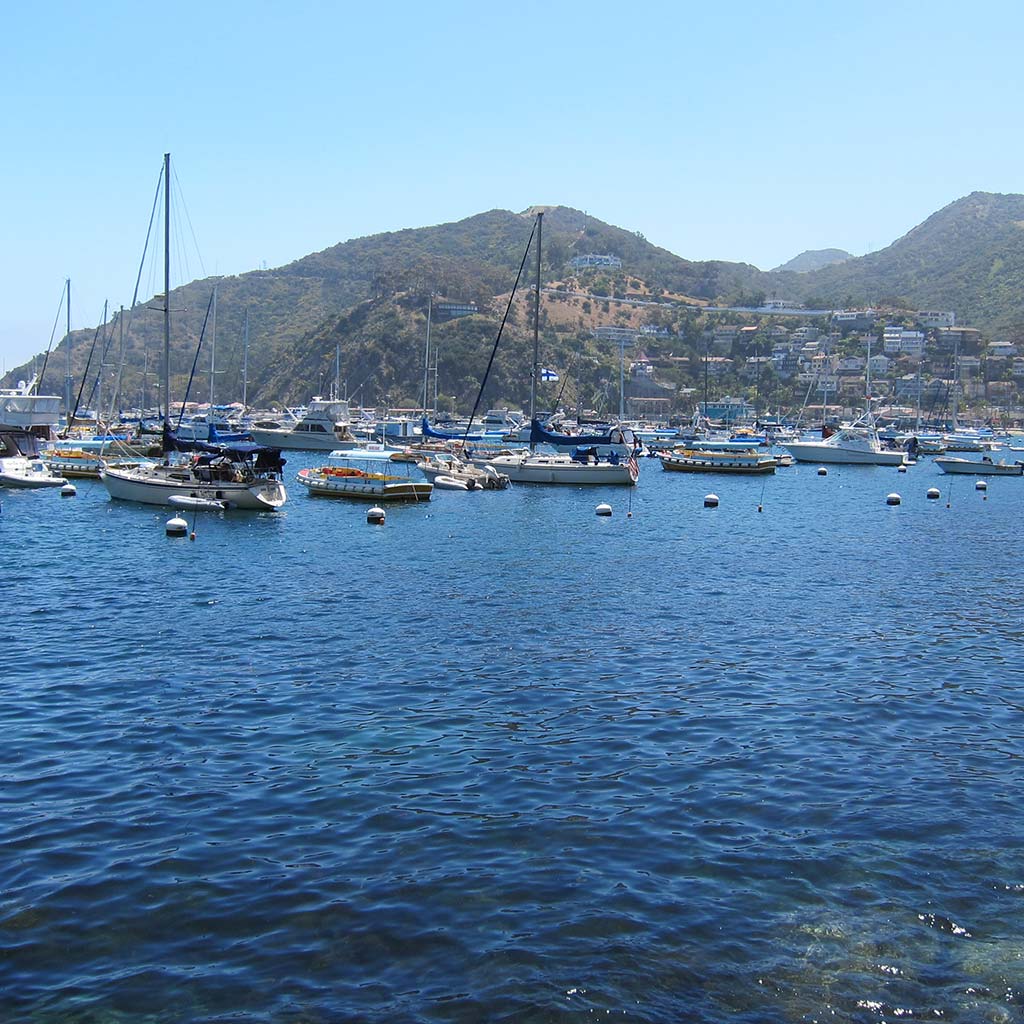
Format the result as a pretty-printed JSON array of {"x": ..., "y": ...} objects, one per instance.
[{"x": 968, "y": 256}]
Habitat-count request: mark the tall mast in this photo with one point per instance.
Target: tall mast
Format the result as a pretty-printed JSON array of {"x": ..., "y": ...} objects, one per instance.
[
  {"x": 622, "y": 378},
  {"x": 245, "y": 362},
  {"x": 536, "y": 328},
  {"x": 167, "y": 290},
  {"x": 213, "y": 351},
  {"x": 67, "y": 368},
  {"x": 956, "y": 375},
  {"x": 426, "y": 354}
]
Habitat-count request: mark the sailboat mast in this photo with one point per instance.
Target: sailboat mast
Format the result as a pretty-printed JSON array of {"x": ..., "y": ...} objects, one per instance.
[
  {"x": 622, "y": 378},
  {"x": 245, "y": 362},
  {"x": 167, "y": 290},
  {"x": 426, "y": 354},
  {"x": 213, "y": 351},
  {"x": 536, "y": 328},
  {"x": 67, "y": 368}
]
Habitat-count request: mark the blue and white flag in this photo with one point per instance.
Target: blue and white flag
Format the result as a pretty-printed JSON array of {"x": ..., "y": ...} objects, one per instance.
[{"x": 548, "y": 375}]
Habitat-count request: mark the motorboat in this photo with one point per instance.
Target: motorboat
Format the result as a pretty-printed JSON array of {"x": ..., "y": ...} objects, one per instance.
[
  {"x": 471, "y": 477},
  {"x": 984, "y": 466},
  {"x": 323, "y": 427},
  {"x": 704, "y": 461},
  {"x": 20, "y": 463},
  {"x": 854, "y": 444}
]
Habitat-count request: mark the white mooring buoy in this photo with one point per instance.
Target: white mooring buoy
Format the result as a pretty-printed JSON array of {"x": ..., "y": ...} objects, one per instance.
[
  {"x": 893, "y": 499},
  {"x": 176, "y": 527},
  {"x": 375, "y": 516},
  {"x": 822, "y": 471},
  {"x": 711, "y": 501},
  {"x": 933, "y": 492},
  {"x": 981, "y": 485},
  {"x": 604, "y": 509},
  {"x": 901, "y": 468},
  {"x": 68, "y": 491}
]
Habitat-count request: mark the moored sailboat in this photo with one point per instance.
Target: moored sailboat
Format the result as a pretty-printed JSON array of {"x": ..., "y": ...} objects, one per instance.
[{"x": 239, "y": 475}]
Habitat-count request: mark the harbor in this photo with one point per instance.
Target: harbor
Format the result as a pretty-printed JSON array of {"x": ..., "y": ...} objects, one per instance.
[{"x": 506, "y": 758}]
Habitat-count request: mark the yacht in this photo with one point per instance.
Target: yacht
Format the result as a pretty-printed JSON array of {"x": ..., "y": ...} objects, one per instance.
[{"x": 323, "y": 427}]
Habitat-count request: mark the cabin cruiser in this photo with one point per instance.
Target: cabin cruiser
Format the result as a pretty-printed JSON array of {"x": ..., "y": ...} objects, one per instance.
[
  {"x": 322, "y": 428},
  {"x": 20, "y": 463},
  {"x": 855, "y": 444}
]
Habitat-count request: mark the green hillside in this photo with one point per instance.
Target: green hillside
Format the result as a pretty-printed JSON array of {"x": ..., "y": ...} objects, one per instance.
[
  {"x": 368, "y": 298},
  {"x": 968, "y": 257}
]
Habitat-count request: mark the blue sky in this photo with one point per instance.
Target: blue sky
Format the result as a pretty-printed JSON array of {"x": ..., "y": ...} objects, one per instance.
[{"x": 736, "y": 131}]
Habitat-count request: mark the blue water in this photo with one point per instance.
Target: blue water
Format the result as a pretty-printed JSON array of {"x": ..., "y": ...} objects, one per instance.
[{"x": 504, "y": 760}]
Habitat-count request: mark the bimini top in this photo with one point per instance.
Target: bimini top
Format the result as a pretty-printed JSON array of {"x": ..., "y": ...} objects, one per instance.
[{"x": 266, "y": 459}]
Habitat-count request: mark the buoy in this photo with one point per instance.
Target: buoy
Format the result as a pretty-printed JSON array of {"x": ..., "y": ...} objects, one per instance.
[
  {"x": 603, "y": 509},
  {"x": 892, "y": 499},
  {"x": 822, "y": 471},
  {"x": 933, "y": 492},
  {"x": 68, "y": 491},
  {"x": 711, "y": 501},
  {"x": 375, "y": 516},
  {"x": 981, "y": 486},
  {"x": 176, "y": 527},
  {"x": 901, "y": 469}
]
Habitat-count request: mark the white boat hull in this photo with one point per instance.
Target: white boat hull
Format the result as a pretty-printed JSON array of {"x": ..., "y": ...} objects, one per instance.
[
  {"x": 980, "y": 468},
  {"x": 152, "y": 485},
  {"x": 25, "y": 473},
  {"x": 301, "y": 441},
  {"x": 561, "y": 469},
  {"x": 822, "y": 452}
]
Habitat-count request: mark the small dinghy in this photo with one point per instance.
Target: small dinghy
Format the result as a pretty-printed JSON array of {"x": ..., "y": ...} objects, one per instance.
[{"x": 191, "y": 501}]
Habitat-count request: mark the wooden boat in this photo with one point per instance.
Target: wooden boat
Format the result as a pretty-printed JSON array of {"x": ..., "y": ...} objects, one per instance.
[
  {"x": 979, "y": 467},
  {"x": 699, "y": 461},
  {"x": 351, "y": 482}
]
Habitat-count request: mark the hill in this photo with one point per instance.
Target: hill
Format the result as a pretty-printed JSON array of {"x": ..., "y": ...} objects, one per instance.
[
  {"x": 967, "y": 257},
  {"x": 368, "y": 298},
  {"x": 813, "y": 259}
]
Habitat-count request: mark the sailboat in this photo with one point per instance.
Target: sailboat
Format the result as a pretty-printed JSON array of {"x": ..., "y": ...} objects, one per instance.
[
  {"x": 239, "y": 475},
  {"x": 585, "y": 465}
]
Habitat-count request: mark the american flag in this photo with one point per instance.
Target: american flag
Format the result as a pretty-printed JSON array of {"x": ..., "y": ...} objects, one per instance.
[{"x": 634, "y": 466}]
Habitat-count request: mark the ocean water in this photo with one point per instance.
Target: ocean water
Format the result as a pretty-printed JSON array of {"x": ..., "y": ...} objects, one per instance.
[{"x": 504, "y": 760}]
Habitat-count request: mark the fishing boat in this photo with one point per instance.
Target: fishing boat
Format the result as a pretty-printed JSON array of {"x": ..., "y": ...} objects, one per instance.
[
  {"x": 704, "y": 461},
  {"x": 241, "y": 475},
  {"x": 20, "y": 464},
  {"x": 366, "y": 484},
  {"x": 984, "y": 466},
  {"x": 855, "y": 444}
]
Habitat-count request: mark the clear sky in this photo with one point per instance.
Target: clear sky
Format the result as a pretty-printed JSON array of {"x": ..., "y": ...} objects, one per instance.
[{"x": 740, "y": 130}]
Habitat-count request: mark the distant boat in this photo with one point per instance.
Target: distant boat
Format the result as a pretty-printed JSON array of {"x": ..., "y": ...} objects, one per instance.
[
  {"x": 697, "y": 461},
  {"x": 979, "y": 467}
]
